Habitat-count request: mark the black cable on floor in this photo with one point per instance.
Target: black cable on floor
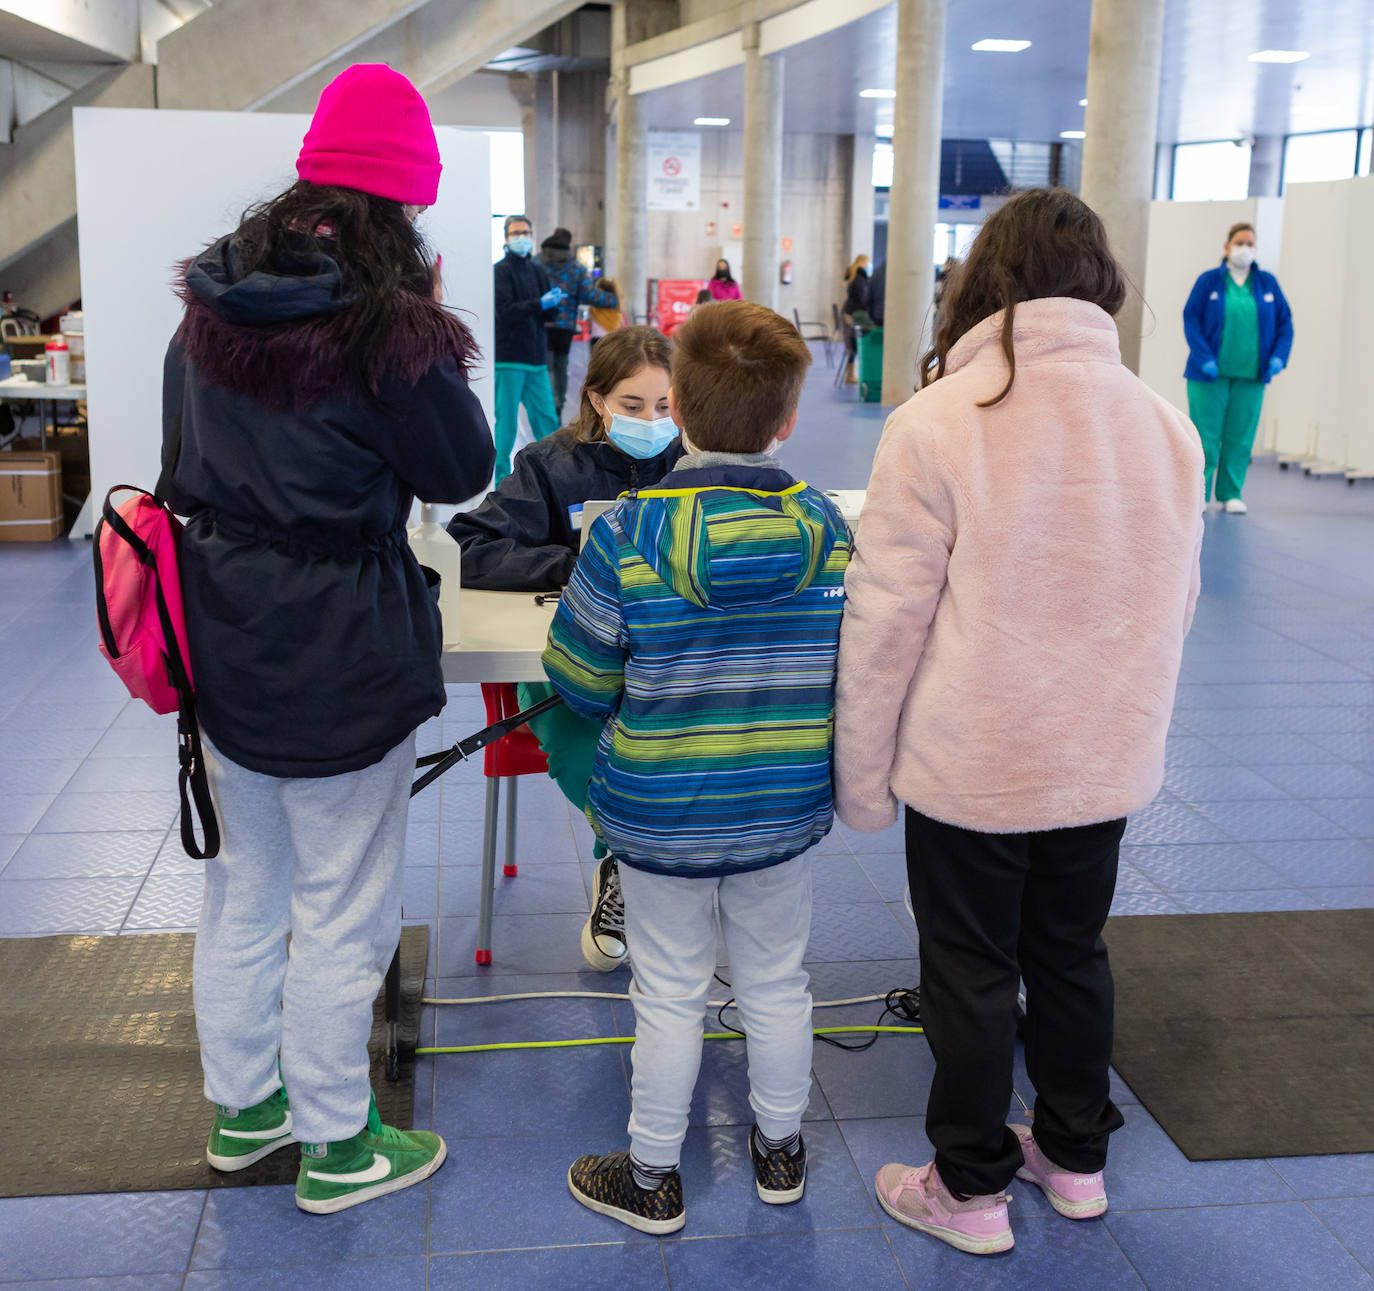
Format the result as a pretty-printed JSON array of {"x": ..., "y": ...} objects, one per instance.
[{"x": 902, "y": 1003}]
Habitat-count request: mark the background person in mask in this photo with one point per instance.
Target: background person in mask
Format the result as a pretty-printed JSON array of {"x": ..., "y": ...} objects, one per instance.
[
  {"x": 1240, "y": 333},
  {"x": 524, "y": 301},
  {"x": 579, "y": 288},
  {"x": 523, "y": 538},
  {"x": 723, "y": 285}
]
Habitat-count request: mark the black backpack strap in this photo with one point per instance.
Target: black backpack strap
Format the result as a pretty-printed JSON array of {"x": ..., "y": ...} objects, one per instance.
[{"x": 191, "y": 774}]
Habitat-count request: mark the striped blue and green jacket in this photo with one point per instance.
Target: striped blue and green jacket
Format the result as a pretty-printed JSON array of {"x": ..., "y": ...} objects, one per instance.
[{"x": 703, "y": 620}]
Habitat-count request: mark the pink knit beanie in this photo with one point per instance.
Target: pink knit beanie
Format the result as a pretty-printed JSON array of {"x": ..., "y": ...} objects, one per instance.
[{"x": 371, "y": 131}]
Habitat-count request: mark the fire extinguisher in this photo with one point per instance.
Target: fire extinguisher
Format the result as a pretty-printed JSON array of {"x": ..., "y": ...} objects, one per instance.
[{"x": 785, "y": 274}]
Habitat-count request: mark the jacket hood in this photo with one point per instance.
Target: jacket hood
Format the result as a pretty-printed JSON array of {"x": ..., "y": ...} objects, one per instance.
[
  {"x": 554, "y": 255},
  {"x": 304, "y": 282},
  {"x": 728, "y": 537}
]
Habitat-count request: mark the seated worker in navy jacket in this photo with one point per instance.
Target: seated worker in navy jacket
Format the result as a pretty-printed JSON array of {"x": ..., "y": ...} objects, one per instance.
[{"x": 524, "y": 537}]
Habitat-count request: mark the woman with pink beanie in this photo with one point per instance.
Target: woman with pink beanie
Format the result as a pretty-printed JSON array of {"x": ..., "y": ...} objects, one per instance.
[
  {"x": 314, "y": 388},
  {"x": 1025, "y": 573}
]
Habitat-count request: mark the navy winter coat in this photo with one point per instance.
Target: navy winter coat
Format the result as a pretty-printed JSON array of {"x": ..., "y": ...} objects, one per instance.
[
  {"x": 315, "y": 645},
  {"x": 518, "y": 284},
  {"x": 1205, "y": 314},
  {"x": 521, "y": 538}
]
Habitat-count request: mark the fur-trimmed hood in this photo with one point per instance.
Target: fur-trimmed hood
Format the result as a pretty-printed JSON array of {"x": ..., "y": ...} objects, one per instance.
[{"x": 286, "y": 335}]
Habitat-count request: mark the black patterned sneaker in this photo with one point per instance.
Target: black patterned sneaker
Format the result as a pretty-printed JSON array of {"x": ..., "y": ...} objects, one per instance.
[
  {"x": 779, "y": 1177},
  {"x": 603, "y": 937},
  {"x": 607, "y": 1185}
]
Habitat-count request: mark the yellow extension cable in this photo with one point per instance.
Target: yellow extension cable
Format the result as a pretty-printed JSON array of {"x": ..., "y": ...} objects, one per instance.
[{"x": 626, "y": 1039}]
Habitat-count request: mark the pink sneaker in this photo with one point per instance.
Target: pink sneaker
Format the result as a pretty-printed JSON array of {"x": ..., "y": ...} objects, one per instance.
[
  {"x": 1075, "y": 1196},
  {"x": 920, "y": 1200}
]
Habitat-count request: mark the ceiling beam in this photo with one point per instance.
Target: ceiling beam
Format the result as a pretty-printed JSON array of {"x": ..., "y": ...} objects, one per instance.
[{"x": 106, "y": 32}]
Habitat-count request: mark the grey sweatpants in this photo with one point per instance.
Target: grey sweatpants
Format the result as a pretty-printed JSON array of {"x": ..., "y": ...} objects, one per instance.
[{"x": 323, "y": 860}]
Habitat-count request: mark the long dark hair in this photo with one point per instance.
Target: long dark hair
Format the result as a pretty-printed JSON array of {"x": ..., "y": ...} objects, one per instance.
[
  {"x": 615, "y": 356},
  {"x": 383, "y": 257},
  {"x": 1044, "y": 242}
]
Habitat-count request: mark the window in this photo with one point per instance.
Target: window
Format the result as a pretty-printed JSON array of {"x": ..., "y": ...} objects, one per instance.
[
  {"x": 1211, "y": 172},
  {"x": 882, "y": 165},
  {"x": 507, "y": 182},
  {"x": 1366, "y": 139},
  {"x": 1311, "y": 158}
]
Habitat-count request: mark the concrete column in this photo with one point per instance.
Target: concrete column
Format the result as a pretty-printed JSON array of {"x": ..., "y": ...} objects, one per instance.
[
  {"x": 1266, "y": 165},
  {"x": 859, "y": 240},
  {"x": 1125, "y": 45},
  {"x": 540, "y": 119},
  {"x": 761, "y": 248},
  {"x": 915, "y": 194},
  {"x": 631, "y": 218}
]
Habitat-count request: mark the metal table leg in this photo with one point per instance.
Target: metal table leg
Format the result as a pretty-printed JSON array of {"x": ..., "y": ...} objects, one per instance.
[
  {"x": 393, "y": 1017},
  {"x": 488, "y": 878},
  {"x": 511, "y": 869}
]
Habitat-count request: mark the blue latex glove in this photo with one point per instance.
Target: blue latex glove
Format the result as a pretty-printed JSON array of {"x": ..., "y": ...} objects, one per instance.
[
  {"x": 552, "y": 297},
  {"x": 1275, "y": 366},
  {"x": 1209, "y": 369}
]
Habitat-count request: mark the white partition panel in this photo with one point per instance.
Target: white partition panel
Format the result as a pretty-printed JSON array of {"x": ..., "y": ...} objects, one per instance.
[
  {"x": 1304, "y": 402},
  {"x": 1353, "y": 437},
  {"x": 155, "y": 187}
]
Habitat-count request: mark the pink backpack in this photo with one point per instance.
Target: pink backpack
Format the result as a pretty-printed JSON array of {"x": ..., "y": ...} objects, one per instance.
[{"x": 143, "y": 634}]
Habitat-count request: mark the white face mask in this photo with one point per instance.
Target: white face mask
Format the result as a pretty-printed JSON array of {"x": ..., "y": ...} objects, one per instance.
[{"x": 1241, "y": 256}]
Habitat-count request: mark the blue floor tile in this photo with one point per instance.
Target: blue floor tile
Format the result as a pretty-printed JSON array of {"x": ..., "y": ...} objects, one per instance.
[
  {"x": 498, "y": 1194},
  {"x": 1269, "y": 821},
  {"x": 631, "y": 1266},
  {"x": 1190, "y": 867},
  {"x": 529, "y": 943},
  {"x": 1050, "y": 1251},
  {"x": 263, "y": 1228},
  {"x": 1314, "y": 781},
  {"x": 890, "y": 1079},
  {"x": 1167, "y": 820},
  {"x": 866, "y": 930},
  {"x": 90, "y": 1236},
  {"x": 9, "y": 844},
  {"x": 798, "y": 1261},
  {"x": 100, "y": 812},
  {"x": 1249, "y": 899},
  {"x": 130, "y": 1282},
  {"x": 837, "y": 880},
  {"x": 1277, "y": 1247},
  {"x": 1347, "y": 1175},
  {"x": 1354, "y": 815},
  {"x": 521, "y": 1093},
  {"x": 539, "y": 888},
  {"x": 168, "y": 901},
  {"x": 1357, "y": 898},
  {"x": 1321, "y": 862},
  {"x": 515, "y": 1020},
  {"x": 1148, "y": 1172},
  {"x": 69, "y": 856},
  {"x": 1351, "y": 1219},
  {"x": 125, "y": 775},
  {"x": 40, "y": 775},
  {"x": 886, "y": 871},
  {"x": 20, "y": 812},
  {"x": 1274, "y": 750},
  {"x": 31, "y": 906},
  {"x": 1218, "y": 784},
  {"x": 356, "y": 1275}
]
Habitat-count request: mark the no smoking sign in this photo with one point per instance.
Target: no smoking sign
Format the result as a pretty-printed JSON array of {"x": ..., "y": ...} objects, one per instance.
[{"x": 672, "y": 166}]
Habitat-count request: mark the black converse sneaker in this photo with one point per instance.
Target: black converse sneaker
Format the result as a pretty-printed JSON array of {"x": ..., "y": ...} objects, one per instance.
[
  {"x": 603, "y": 937},
  {"x": 607, "y": 1185},
  {"x": 780, "y": 1176}
]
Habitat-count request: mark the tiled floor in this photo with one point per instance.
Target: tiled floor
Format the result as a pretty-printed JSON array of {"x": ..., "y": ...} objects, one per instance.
[{"x": 1269, "y": 804}]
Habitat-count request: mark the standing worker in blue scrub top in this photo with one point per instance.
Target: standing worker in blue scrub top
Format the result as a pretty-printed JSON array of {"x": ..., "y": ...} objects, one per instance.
[
  {"x": 1240, "y": 333},
  {"x": 524, "y": 302}
]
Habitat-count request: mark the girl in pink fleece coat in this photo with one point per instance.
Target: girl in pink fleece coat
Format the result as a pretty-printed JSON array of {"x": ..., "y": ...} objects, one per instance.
[{"x": 1025, "y": 573}]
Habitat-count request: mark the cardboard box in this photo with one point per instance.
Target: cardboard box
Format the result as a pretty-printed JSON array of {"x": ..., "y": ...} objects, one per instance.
[{"x": 30, "y": 497}]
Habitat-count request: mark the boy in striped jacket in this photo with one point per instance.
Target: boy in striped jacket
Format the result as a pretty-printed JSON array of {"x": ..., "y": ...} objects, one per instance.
[{"x": 702, "y": 624}]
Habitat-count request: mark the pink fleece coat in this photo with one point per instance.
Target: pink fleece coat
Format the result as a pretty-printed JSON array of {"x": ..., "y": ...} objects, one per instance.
[{"x": 1023, "y": 580}]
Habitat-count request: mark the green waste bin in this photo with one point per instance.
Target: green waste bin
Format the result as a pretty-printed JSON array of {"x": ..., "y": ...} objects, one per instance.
[{"x": 871, "y": 365}]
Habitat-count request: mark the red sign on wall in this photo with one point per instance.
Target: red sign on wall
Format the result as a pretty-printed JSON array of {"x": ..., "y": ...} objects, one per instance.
[
  {"x": 737, "y": 230},
  {"x": 676, "y": 296},
  {"x": 710, "y": 228},
  {"x": 787, "y": 244}
]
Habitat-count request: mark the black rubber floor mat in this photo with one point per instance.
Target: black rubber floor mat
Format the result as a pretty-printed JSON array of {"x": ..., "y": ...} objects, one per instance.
[
  {"x": 1249, "y": 1035},
  {"x": 101, "y": 1068}
]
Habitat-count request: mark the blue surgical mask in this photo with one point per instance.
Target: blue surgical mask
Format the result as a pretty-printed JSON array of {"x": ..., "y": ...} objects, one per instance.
[
  {"x": 521, "y": 244},
  {"x": 641, "y": 439}
]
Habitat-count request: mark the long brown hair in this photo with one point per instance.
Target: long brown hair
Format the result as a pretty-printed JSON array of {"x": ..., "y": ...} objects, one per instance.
[
  {"x": 1044, "y": 242},
  {"x": 615, "y": 356}
]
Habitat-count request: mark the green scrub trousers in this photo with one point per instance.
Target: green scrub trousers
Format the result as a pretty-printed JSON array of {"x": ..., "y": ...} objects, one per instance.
[
  {"x": 1226, "y": 413},
  {"x": 518, "y": 383}
]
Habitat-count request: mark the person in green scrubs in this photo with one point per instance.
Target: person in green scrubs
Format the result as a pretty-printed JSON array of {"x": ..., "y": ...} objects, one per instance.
[{"x": 1240, "y": 334}]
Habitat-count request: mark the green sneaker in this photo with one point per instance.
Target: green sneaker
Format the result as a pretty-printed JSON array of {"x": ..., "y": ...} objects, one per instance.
[
  {"x": 377, "y": 1160},
  {"x": 242, "y": 1135}
]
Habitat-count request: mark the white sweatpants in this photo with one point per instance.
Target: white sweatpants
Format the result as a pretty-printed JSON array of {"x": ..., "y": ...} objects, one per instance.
[
  {"x": 324, "y": 861},
  {"x": 670, "y": 928}
]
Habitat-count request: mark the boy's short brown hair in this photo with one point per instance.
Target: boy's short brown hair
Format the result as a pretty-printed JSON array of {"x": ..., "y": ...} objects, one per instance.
[{"x": 738, "y": 370}]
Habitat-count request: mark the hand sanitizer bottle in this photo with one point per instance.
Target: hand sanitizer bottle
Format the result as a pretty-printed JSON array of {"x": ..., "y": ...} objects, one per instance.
[{"x": 433, "y": 546}]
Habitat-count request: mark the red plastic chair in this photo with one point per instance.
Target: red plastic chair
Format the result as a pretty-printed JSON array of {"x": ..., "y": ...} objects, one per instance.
[{"x": 514, "y": 755}]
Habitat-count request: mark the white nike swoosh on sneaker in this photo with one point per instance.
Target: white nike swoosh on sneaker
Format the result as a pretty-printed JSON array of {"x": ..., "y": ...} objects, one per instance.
[
  {"x": 279, "y": 1132},
  {"x": 379, "y": 1169}
]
